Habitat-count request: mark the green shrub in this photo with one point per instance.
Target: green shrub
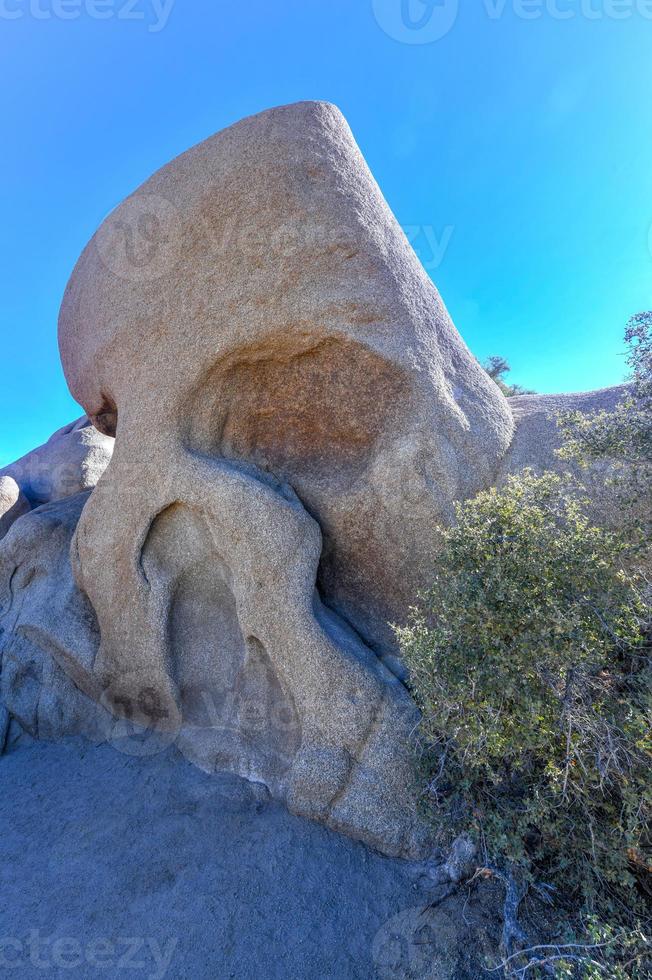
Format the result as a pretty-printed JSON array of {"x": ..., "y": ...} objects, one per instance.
[
  {"x": 622, "y": 437},
  {"x": 529, "y": 662},
  {"x": 497, "y": 367},
  {"x": 626, "y": 433}
]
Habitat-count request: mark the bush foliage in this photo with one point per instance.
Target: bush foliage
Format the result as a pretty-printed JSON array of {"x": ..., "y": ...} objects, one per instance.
[
  {"x": 530, "y": 659},
  {"x": 624, "y": 435},
  {"x": 497, "y": 367},
  {"x": 623, "y": 438}
]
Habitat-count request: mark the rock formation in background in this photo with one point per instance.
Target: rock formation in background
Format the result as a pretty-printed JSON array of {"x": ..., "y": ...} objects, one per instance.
[
  {"x": 13, "y": 503},
  {"x": 72, "y": 460},
  {"x": 536, "y": 438},
  {"x": 48, "y": 631},
  {"x": 294, "y": 414}
]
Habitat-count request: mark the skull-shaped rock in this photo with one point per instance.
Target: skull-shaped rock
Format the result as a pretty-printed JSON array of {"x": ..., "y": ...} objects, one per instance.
[{"x": 294, "y": 412}]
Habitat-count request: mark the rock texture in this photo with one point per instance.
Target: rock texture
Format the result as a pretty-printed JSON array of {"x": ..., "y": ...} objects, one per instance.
[
  {"x": 13, "y": 503},
  {"x": 233, "y": 712},
  {"x": 72, "y": 460},
  {"x": 294, "y": 412},
  {"x": 48, "y": 631},
  {"x": 257, "y": 301},
  {"x": 536, "y": 438}
]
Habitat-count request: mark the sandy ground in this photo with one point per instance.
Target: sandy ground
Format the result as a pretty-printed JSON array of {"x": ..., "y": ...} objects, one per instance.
[{"x": 115, "y": 866}]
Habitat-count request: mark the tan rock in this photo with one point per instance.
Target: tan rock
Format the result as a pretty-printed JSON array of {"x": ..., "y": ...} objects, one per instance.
[
  {"x": 256, "y": 300},
  {"x": 537, "y": 439},
  {"x": 294, "y": 413},
  {"x": 292, "y": 403}
]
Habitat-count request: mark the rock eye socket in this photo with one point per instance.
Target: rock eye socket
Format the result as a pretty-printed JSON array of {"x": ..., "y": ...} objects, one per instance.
[{"x": 106, "y": 419}]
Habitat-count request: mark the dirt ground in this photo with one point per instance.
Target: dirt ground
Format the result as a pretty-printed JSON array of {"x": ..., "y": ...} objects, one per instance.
[{"x": 119, "y": 866}]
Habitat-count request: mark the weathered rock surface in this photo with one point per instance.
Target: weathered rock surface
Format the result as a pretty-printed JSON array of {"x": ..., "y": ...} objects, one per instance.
[
  {"x": 256, "y": 300},
  {"x": 331, "y": 740},
  {"x": 536, "y": 438},
  {"x": 292, "y": 405},
  {"x": 72, "y": 460},
  {"x": 48, "y": 631},
  {"x": 294, "y": 413},
  {"x": 13, "y": 503}
]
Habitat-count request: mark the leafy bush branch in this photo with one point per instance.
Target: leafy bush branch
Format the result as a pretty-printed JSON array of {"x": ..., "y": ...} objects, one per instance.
[{"x": 530, "y": 659}]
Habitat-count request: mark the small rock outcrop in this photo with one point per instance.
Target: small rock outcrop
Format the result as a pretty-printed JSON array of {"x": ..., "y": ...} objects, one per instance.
[
  {"x": 72, "y": 460},
  {"x": 48, "y": 632},
  {"x": 537, "y": 438},
  {"x": 13, "y": 503}
]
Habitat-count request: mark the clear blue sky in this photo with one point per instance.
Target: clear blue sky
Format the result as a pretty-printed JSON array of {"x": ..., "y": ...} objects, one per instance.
[{"x": 522, "y": 145}]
